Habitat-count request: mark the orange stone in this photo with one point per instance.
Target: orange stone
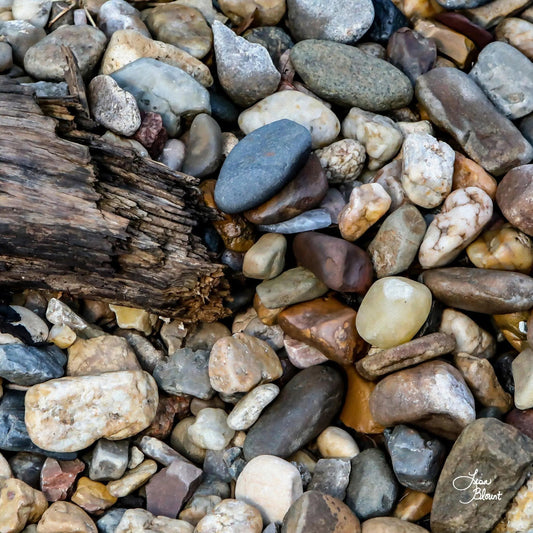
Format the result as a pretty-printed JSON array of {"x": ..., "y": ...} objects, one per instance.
[
  {"x": 356, "y": 411},
  {"x": 514, "y": 328},
  {"x": 266, "y": 315},
  {"x": 467, "y": 173},
  {"x": 327, "y": 325},
  {"x": 413, "y": 505},
  {"x": 92, "y": 496},
  {"x": 418, "y": 8}
]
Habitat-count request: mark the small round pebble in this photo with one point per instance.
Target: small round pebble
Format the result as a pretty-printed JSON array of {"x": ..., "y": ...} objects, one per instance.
[
  {"x": 336, "y": 442},
  {"x": 210, "y": 429},
  {"x": 231, "y": 516}
]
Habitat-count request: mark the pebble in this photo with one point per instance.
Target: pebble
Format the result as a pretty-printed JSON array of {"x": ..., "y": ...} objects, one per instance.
[
  {"x": 390, "y": 525},
  {"x": 305, "y": 191},
  {"x": 232, "y": 354},
  {"x": 249, "y": 407},
  {"x": 273, "y": 38},
  {"x": 367, "y": 204},
  {"x": 322, "y": 123},
  {"x": 20, "y": 325},
  {"x": 45, "y": 60},
  {"x": 335, "y": 442},
  {"x": 492, "y": 141},
  {"x": 313, "y": 512},
  {"x": 109, "y": 460},
  {"x": 517, "y": 32},
  {"x": 331, "y": 476},
  {"x": 467, "y": 173},
  {"x": 181, "y": 26},
  {"x": 382, "y": 362},
  {"x": 340, "y": 265},
  {"x": 497, "y": 73},
  {"x": 373, "y": 488},
  {"x": 58, "y": 478},
  {"x": 413, "y": 506},
  {"x": 432, "y": 395},
  {"x": 210, "y": 429},
  {"x": 20, "y": 505},
  {"x": 264, "y": 12},
  {"x": 110, "y": 520},
  {"x": 139, "y": 520},
  {"x": 308, "y": 221},
  {"x": 327, "y": 325},
  {"x": 427, "y": 169},
  {"x": 65, "y": 517},
  {"x": 133, "y": 318},
  {"x": 501, "y": 455},
  {"x": 164, "y": 88},
  {"x": 392, "y": 311},
  {"x": 181, "y": 441},
  {"x": 389, "y": 177},
  {"x": 266, "y": 258},
  {"x": 231, "y": 516},
  {"x": 515, "y": 196},
  {"x": 514, "y": 327},
  {"x": 380, "y": 136},
  {"x": 481, "y": 378},
  {"x": 523, "y": 379},
  {"x": 245, "y": 70},
  {"x": 6, "y": 57},
  {"x": 204, "y": 335},
  {"x": 342, "y": 161},
  {"x": 147, "y": 355},
  {"x": 62, "y": 336},
  {"x": 269, "y": 484},
  {"x": 98, "y": 355},
  {"x": 173, "y": 154},
  {"x": 412, "y": 53},
  {"x": 116, "y": 15},
  {"x": 417, "y": 458},
  {"x": 92, "y": 496},
  {"x": 133, "y": 479},
  {"x": 503, "y": 248},
  {"x": 62, "y": 416},
  {"x": 344, "y": 75},
  {"x": 36, "y": 12},
  {"x": 20, "y": 35},
  {"x": 518, "y": 516},
  {"x": 387, "y": 20},
  {"x": 5, "y": 469},
  {"x": 480, "y": 290},
  {"x": 272, "y": 154},
  {"x": 301, "y": 355},
  {"x": 397, "y": 241},
  {"x": 303, "y": 409},
  {"x": 29, "y": 365}
]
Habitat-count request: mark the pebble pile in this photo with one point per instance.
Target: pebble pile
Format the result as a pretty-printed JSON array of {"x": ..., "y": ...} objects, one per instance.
[{"x": 370, "y": 163}]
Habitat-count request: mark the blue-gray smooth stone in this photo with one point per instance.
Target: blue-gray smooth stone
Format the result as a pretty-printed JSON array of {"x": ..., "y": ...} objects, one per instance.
[
  {"x": 109, "y": 522},
  {"x": 29, "y": 365},
  {"x": 261, "y": 165},
  {"x": 308, "y": 221}
]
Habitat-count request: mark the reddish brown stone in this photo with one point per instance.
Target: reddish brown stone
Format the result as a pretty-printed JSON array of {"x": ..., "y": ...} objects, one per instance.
[
  {"x": 327, "y": 325},
  {"x": 170, "y": 488},
  {"x": 152, "y": 134},
  {"x": 339, "y": 264},
  {"x": 58, "y": 478},
  {"x": 304, "y": 192},
  {"x": 168, "y": 409},
  {"x": 522, "y": 420},
  {"x": 478, "y": 35}
]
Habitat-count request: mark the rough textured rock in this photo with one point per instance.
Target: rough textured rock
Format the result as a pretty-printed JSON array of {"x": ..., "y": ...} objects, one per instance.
[
  {"x": 249, "y": 407},
  {"x": 20, "y": 505},
  {"x": 231, "y": 516},
  {"x": 342, "y": 161},
  {"x": 58, "y": 478},
  {"x": 144, "y": 521},
  {"x": 109, "y": 460},
  {"x": 265, "y": 12},
  {"x": 331, "y": 476},
  {"x": 65, "y": 517},
  {"x": 210, "y": 430}
]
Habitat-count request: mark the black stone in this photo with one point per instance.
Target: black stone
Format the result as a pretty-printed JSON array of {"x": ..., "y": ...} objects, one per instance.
[
  {"x": 222, "y": 108},
  {"x": 417, "y": 457},
  {"x": 490, "y": 412},
  {"x": 215, "y": 466},
  {"x": 331, "y": 476},
  {"x": 29, "y": 365},
  {"x": 261, "y": 164},
  {"x": 373, "y": 489},
  {"x": 504, "y": 371},
  {"x": 27, "y": 467},
  {"x": 109, "y": 522},
  {"x": 274, "y": 39},
  {"x": 387, "y": 19},
  {"x": 304, "y": 408}
]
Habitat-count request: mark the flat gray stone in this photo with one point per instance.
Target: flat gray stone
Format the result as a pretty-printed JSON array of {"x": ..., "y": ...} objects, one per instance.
[
  {"x": 308, "y": 221},
  {"x": 109, "y": 460}
]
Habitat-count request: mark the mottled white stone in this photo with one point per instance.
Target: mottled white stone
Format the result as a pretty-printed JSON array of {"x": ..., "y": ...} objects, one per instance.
[
  {"x": 321, "y": 122},
  {"x": 464, "y": 214},
  {"x": 231, "y": 516},
  {"x": 210, "y": 429},
  {"x": 141, "y": 521},
  {"x": 523, "y": 379},
  {"x": 134, "y": 478},
  {"x": 427, "y": 170},
  {"x": 249, "y": 407},
  {"x": 36, "y": 12},
  {"x": 342, "y": 161}
]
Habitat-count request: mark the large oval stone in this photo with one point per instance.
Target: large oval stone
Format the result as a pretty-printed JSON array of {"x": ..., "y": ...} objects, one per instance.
[
  {"x": 341, "y": 265},
  {"x": 433, "y": 396},
  {"x": 261, "y": 164},
  {"x": 305, "y": 407},
  {"x": 347, "y": 76},
  {"x": 456, "y": 104},
  {"x": 69, "y": 414},
  {"x": 482, "y": 291}
]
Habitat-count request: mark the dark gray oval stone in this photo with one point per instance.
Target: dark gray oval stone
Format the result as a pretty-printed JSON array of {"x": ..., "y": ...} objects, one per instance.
[
  {"x": 261, "y": 164},
  {"x": 305, "y": 407}
]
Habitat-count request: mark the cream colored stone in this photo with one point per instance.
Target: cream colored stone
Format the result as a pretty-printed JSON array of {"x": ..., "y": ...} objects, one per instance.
[
  {"x": 136, "y": 458},
  {"x": 133, "y": 479},
  {"x": 392, "y": 311},
  {"x": 380, "y": 136},
  {"x": 229, "y": 142},
  {"x": 271, "y": 485},
  {"x": 36, "y": 12},
  {"x": 469, "y": 337},
  {"x": 342, "y": 161},
  {"x": 19, "y": 505},
  {"x": 240, "y": 362},
  {"x": 463, "y": 215},
  {"x": 519, "y": 517},
  {"x": 141, "y": 521},
  {"x": 65, "y": 517},
  {"x": 304, "y": 457},
  {"x": 336, "y": 443},
  {"x": 210, "y": 429},
  {"x": 269, "y": 12},
  {"x": 59, "y": 313},
  {"x": 5, "y": 469},
  {"x": 427, "y": 170},
  {"x": 321, "y": 122},
  {"x": 422, "y": 126},
  {"x": 231, "y": 516},
  {"x": 249, "y": 407},
  {"x": 180, "y": 441},
  {"x": 242, "y": 319},
  {"x": 99, "y": 355},
  {"x": 68, "y": 414},
  {"x": 62, "y": 336},
  {"x": 172, "y": 333},
  {"x": 266, "y": 258},
  {"x": 32, "y": 323},
  {"x": 368, "y": 203},
  {"x": 132, "y": 318},
  {"x": 523, "y": 379}
]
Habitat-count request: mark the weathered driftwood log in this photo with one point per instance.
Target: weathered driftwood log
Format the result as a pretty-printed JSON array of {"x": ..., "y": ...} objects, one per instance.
[{"x": 96, "y": 220}]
